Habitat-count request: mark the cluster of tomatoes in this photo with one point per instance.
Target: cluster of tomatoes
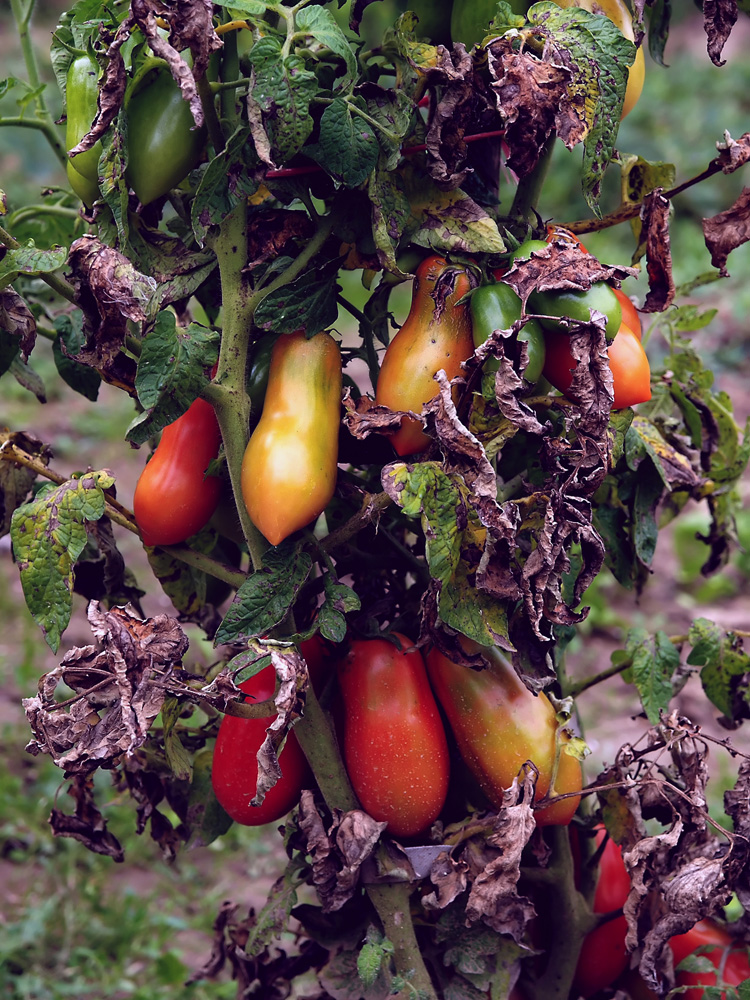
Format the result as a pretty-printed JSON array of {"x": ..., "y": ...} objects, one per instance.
[{"x": 290, "y": 463}]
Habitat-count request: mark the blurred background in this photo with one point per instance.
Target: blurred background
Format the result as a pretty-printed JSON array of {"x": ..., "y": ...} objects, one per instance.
[{"x": 73, "y": 924}]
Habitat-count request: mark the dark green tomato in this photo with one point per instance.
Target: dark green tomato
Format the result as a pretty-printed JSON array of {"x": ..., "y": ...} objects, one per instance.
[
  {"x": 577, "y": 305},
  {"x": 163, "y": 143},
  {"x": 497, "y": 307},
  {"x": 257, "y": 376},
  {"x": 81, "y": 92},
  {"x": 87, "y": 191},
  {"x": 434, "y": 19},
  {"x": 470, "y": 19},
  {"x": 526, "y": 249}
]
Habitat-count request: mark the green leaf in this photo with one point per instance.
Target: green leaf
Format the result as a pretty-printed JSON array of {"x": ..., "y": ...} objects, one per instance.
[
  {"x": 28, "y": 259},
  {"x": 25, "y": 375},
  {"x": 266, "y": 597},
  {"x": 308, "y": 304},
  {"x": 171, "y": 373},
  {"x": 279, "y": 101},
  {"x": 184, "y": 585},
  {"x": 81, "y": 378},
  {"x": 393, "y": 111},
  {"x": 348, "y": 147},
  {"x": 654, "y": 660},
  {"x": 272, "y": 920},
  {"x": 321, "y": 24},
  {"x": 390, "y": 211},
  {"x": 228, "y": 179},
  {"x": 48, "y": 534},
  {"x": 723, "y": 660},
  {"x": 452, "y": 552},
  {"x": 373, "y": 956},
  {"x": 338, "y": 600},
  {"x": 178, "y": 758},
  {"x": 206, "y": 818}
]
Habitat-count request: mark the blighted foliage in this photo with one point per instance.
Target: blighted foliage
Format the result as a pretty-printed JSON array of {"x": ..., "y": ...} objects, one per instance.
[{"x": 326, "y": 153}]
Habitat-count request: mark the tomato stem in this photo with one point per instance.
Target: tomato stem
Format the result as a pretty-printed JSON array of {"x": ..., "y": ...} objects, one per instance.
[
  {"x": 393, "y": 907},
  {"x": 529, "y": 187}
]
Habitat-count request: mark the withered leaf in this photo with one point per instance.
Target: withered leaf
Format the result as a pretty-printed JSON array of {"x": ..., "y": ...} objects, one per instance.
[
  {"x": 719, "y": 17},
  {"x": 126, "y": 675},
  {"x": 16, "y": 480},
  {"x": 87, "y": 825},
  {"x": 733, "y": 153},
  {"x": 560, "y": 266},
  {"x": 339, "y": 852},
  {"x": 655, "y": 233},
  {"x": 727, "y": 231},
  {"x": 17, "y": 320},
  {"x": 363, "y": 417}
]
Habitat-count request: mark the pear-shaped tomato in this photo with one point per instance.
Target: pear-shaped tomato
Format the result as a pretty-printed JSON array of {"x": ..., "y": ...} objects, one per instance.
[
  {"x": 289, "y": 467},
  {"x": 436, "y": 335}
]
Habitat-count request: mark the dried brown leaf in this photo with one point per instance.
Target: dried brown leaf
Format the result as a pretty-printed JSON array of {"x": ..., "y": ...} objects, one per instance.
[
  {"x": 655, "y": 233},
  {"x": 727, "y": 231},
  {"x": 87, "y": 825},
  {"x": 719, "y": 17},
  {"x": 17, "y": 321}
]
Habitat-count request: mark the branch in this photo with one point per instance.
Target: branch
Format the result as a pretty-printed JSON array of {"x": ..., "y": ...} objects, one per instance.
[{"x": 372, "y": 506}]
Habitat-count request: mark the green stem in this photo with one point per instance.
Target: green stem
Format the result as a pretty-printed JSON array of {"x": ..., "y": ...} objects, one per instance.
[
  {"x": 209, "y": 113},
  {"x": 46, "y": 124},
  {"x": 228, "y": 395},
  {"x": 318, "y": 741},
  {"x": 59, "y": 285},
  {"x": 529, "y": 188},
  {"x": 230, "y": 70},
  {"x": 392, "y": 903},
  {"x": 32, "y": 211},
  {"x": 206, "y": 564}
]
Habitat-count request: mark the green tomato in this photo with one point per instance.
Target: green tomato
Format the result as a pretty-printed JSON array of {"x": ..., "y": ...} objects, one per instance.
[
  {"x": 81, "y": 93},
  {"x": 87, "y": 191},
  {"x": 497, "y": 307},
  {"x": 163, "y": 143},
  {"x": 569, "y": 303},
  {"x": 470, "y": 19}
]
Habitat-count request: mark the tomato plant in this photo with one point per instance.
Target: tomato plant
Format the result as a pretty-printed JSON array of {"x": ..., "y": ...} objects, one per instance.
[
  {"x": 436, "y": 335},
  {"x": 289, "y": 467},
  {"x": 394, "y": 743},
  {"x": 174, "y": 497},
  {"x": 254, "y": 176},
  {"x": 719, "y": 948}
]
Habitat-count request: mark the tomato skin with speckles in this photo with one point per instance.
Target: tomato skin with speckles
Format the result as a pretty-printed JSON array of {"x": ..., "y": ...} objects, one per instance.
[
  {"x": 394, "y": 743},
  {"x": 499, "y": 725}
]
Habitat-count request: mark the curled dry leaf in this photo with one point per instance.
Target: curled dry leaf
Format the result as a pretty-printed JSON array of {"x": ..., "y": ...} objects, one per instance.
[
  {"x": 339, "y": 852},
  {"x": 719, "y": 17},
  {"x": 87, "y": 825},
  {"x": 727, "y": 231},
  {"x": 16, "y": 320},
  {"x": 655, "y": 234},
  {"x": 120, "y": 686},
  {"x": 363, "y": 417}
]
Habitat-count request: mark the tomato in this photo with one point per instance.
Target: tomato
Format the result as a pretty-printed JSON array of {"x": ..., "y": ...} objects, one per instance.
[
  {"x": 87, "y": 191},
  {"x": 394, "y": 743},
  {"x": 736, "y": 967},
  {"x": 235, "y": 766},
  {"x": 470, "y": 19},
  {"x": 435, "y": 335},
  {"x": 631, "y": 372},
  {"x": 173, "y": 497},
  {"x": 164, "y": 144},
  {"x": 618, "y": 13},
  {"x": 81, "y": 93},
  {"x": 630, "y": 316},
  {"x": 289, "y": 467},
  {"x": 497, "y": 307},
  {"x": 603, "y": 956},
  {"x": 499, "y": 725}
]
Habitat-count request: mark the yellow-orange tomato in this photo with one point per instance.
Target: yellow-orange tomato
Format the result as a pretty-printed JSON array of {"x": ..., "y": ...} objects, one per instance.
[
  {"x": 499, "y": 725},
  {"x": 630, "y": 317},
  {"x": 436, "y": 334},
  {"x": 618, "y": 13},
  {"x": 289, "y": 467}
]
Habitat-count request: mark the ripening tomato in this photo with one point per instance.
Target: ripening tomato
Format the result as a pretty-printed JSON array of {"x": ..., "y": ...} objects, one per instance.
[
  {"x": 630, "y": 316},
  {"x": 394, "y": 743},
  {"x": 436, "y": 334},
  {"x": 499, "y": 725},
  {"x": 290, "y": 463},
  {"x": 174, "y": 498},
  {"x": 235, "y": 766},
  {"x": 631, "y": 373},
  {"x": 603, "y": 956}
]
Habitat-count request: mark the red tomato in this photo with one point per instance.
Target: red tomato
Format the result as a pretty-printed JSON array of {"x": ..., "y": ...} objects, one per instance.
[
  {"x": 603, "y": 956},
  {"x": 499, "y": 725},
  {"x": 235, "y": 768},
  {"x": 630, "y": 316},
  {"x": 631, "y": 373},
  {"x": 174, "y": 498},
  {"x": 429, "y": 340},
  {"x": 736, "y": 968},
  {"x": 395, "y": 748}
]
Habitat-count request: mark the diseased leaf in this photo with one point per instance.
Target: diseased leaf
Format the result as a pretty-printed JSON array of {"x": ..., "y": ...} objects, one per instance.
[
  {"x": 654, "y": 661},
  {"x": 308, "y": 304},
  {"x": 16, "y": 479},
  {"x": 171, "y": 373},
  {"x": 28, "y": 259},
  {"x": 267, "y": 595},
  {"x": 79, "y": 377},
  {"x": 347, "y": 147},
  {"x": 331, "y": 615},
  {"x": 229, "y": 178},
  {"x": 17, "y": 329},
  {"x": 206, "y": 818},
  {"x": 724, "y": 661},
  {"x": 321, "y": 24},
  {"x": 48, "y": 535},
  {"x": 279, "y": 101}
]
